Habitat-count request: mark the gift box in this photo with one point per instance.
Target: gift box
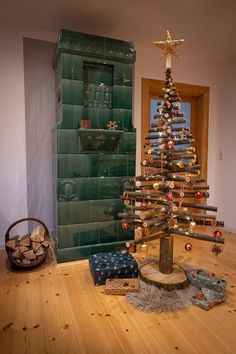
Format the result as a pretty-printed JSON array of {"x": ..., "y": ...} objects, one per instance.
[
  {"x": 213, "y": 295},
  {"x": 202, "y": 279},
  {"x": 110, "y": 265},
  {"x": 121, "y": 286},
  {"x": 200, "y": 300}
]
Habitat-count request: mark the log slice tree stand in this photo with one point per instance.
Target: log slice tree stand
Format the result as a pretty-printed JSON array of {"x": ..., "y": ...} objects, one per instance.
[{"x": 164, "y": 275}]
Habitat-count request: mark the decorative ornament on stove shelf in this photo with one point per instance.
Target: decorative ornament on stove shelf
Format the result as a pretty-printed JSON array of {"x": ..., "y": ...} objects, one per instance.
[{"x": 112, "y": 125}]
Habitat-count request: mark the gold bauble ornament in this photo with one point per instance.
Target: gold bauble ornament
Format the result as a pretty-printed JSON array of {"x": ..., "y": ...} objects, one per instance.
[
  {"x": 144, "y": 247},
  {"x": 156, "y": 185}
]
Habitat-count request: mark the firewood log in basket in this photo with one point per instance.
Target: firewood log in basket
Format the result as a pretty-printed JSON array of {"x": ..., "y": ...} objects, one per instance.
[{"x": 29, "y": 250}]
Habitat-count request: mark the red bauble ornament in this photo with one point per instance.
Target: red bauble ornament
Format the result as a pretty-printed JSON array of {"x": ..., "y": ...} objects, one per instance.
[
  {"x": 170, "y": 144},
  {"x": 198, "y": 194},
  {"x": 147, "y": 142},
  {"x": 169, "y": 196},
  {"x": 124, "y": 225},
  {"x": 188, "y": 247},
  {"x": 143, "y": 206},
  {"x": 217, "y": 233}
]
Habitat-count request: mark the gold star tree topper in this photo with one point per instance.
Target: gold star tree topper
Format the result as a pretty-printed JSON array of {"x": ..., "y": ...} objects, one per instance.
[{"x": 169, "y": 48}]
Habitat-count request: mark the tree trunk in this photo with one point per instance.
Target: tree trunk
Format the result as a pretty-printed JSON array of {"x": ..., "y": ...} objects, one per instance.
[{"x": 166, "y": 255}]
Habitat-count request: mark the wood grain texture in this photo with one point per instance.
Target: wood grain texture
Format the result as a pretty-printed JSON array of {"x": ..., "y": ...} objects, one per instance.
[{"x": 57, "y": 309}]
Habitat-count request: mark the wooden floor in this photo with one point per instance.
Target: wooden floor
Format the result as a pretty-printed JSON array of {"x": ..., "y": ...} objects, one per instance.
[{"x": 57, "y": 309}]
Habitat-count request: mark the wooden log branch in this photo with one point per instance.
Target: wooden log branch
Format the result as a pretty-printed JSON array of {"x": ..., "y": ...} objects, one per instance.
[
  {"x": 174, "y": 177},
  {"x": 194, "y": 187},
  {"x": 200, "y": 222},
  {"x": 153, "y": 229},
  {"x": 189, "y": 195},
  {"x": 197, "y": 236},
  {"x": 177, "y": 142},
  {"x": 152, "y": 237},
  {"x": 196, "y": 206},
  {"x": 155, "y": 221},
  {"x": 194, "y": 215}
]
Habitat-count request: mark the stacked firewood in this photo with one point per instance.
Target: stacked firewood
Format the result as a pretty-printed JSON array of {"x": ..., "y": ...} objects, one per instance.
[{"x": 28, "y": 248}]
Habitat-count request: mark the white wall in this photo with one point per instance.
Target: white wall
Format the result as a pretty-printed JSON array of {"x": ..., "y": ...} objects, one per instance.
[
  {"x": 13, "y": 197},
  {"x": 40, "y": 120},
  {"x": 13, "y": 176},
  {"x": 189, "y": 69},
  {"x": 225, "y": 122}
]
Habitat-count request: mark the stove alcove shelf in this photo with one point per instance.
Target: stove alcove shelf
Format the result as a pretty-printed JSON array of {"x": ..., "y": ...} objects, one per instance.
[{"x": 91, "y": 167}]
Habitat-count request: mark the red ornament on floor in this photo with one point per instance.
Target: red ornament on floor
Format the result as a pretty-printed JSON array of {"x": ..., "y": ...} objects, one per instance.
[
  {"x": 217, "y": 233},
  {"x": 188, "y": 247}
]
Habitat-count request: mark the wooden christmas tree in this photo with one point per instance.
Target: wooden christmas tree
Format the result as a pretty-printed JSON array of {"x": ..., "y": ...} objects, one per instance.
[{"x": 169, "y": 197}]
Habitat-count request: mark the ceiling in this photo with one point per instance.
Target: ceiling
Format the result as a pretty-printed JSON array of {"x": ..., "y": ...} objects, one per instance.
[{"x": 209, "y": 25}]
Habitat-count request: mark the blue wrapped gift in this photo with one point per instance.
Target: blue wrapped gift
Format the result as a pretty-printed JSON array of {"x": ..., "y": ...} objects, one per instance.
[
  {"x": 112, "y": 265},
  {"x": 202, "y": 279}
]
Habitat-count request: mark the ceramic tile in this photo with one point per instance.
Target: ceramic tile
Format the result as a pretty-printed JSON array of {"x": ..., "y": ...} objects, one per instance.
[
  {"x": 107, "y": 232},
  {"x": 123, "y": 117},
  {"x": 67, "y": 189},
  {"x": 124, "y": 235},
  {"x": 105, "y": 210},
  {"x": 122, "y": 97},
  {"x": 77, "y": 67},
  {"x": 68, "y": 142},
  {"x": 78, "y": 165},
  {"x": 109, "y": 188},
  {"x": 88, "y": 234},
  {"x": 71, "y": 92},
  {"x": 79, "y": 212},
  {"x": 65, "y": 236},
  {"x": 62, "y": 166},
  {"x": 118, "y": 166},
  {"x": 131, "y": 165},
  {"x": 88, "y": 188},
  {"x": 98, "y": 74},
  {"x": 123, "y": 74},
  {"x": 63, "y": 214},
  {"x": 127, "y": 144},
  {"x": 67, "y": 66},
  {"x": 99, "y": 165}
]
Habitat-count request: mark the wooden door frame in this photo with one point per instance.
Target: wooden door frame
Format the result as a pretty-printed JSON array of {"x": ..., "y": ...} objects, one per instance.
[{"x": 200, "y": 114}]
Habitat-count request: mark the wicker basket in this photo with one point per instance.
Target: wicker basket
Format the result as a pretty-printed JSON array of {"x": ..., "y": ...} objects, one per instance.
[{"x": 34, "y": 262}]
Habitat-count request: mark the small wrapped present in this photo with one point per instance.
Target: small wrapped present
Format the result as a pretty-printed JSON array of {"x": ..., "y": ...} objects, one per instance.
[
  {"x": 213, "y": 295},
  {"x": 121, "y": 286},
  {"x": 202, "y": 279},
  {"x": 110, "y": 265},
  {"x": 200, "y": 300}
]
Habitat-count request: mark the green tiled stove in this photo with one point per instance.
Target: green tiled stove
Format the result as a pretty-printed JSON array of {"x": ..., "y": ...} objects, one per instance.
[{"x": 92, "y": 166}]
